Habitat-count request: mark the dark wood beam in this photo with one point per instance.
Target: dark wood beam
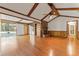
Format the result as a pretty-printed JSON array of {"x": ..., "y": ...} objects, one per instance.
[
  {"x": 18, "y": 13},
  {"x": 54, "y": 10},
  {"x": 54, "y": 18},
  {"x": 45, "y": 16},
  {"x": 33, "y": 8},
  {"x": 67, "y": 8},
  {"x": 69, "y": 16}
]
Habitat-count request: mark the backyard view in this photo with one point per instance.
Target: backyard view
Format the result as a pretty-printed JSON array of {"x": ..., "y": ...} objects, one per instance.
[
  {"x": 8, "y": 30},
  {"x": 8, "y": 35}
]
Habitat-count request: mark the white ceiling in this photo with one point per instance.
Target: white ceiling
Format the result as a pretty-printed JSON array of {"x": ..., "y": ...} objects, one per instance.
[
  {"x": 48, "y": 18},
  {"x": 20, "y": 7},
  {"x": 10, "y": 18},
  {"x": 25, "y": 21},
  {"x": 25, "y": 8},
  {"x": 41, "y": 10},
  {"x": 12, "y": 13},
  {"x": 6, "y": 17},
  {"x": 69, "y": 13},
  {"x": 66, "y": 5}
]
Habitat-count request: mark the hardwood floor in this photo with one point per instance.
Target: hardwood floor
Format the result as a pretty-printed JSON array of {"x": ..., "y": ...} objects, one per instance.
[{"x": 49, "y": 46}]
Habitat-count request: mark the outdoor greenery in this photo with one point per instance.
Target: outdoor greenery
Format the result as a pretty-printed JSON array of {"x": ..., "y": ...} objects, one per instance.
[{"x": 7, "y": 27}]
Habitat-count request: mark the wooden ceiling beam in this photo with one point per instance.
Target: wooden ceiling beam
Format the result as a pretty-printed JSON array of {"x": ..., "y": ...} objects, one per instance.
[
  {"x": 54, "y": 10},
  {"x": 45, "y": 16},
  {"x": 69, "y": 16},
  {"x": 67, "y": 8},
  {"x": 18, "y": 13},
  {"x": 33, "y": 8}
]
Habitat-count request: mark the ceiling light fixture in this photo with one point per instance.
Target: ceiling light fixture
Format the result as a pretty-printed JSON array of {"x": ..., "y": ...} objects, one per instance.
[{"x": 50, "y": 17}]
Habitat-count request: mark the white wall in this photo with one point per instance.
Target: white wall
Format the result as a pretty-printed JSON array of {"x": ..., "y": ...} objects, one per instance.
[
  {"x": 10, "y": 18},
  {"x": 31, "y": 30},
  {"x": 20, "y": 29},
  {"x": 0, "y": 29},
  {"x": 59, "y": 24}
]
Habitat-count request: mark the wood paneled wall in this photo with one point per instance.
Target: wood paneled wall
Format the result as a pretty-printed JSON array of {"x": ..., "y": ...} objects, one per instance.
[
  {"x": 57, "y": 34},
  {"x": 38, "y": 30},
  {"x": 44, "y": 28},
  {"x": 78, "y": 35},
  {"x": 26, "y": 29}
]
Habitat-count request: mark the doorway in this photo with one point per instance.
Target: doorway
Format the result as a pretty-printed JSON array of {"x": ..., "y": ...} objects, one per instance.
[
  {"x": 8, "y": 34},
  {"x": 72, "y": 29},
  {"x": 8, "y": 29}
]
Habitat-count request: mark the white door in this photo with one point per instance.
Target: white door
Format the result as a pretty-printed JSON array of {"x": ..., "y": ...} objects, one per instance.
[{"x": 72, "y": 29}]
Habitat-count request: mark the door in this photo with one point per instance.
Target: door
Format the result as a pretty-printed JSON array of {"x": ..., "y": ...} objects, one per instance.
[{"x": 72, "y": 29}]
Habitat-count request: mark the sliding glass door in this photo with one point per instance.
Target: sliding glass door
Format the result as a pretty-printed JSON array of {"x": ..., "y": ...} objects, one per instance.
[
  {"x": 8, "y": 29},
  {"x": 8, "y": 34}
]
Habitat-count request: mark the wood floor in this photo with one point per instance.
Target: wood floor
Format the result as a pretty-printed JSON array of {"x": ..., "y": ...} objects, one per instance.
[{"x": 50, "y": 46}]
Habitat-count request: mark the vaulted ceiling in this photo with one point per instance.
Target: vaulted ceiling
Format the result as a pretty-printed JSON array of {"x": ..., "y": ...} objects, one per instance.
[{"x": 40, "y": 11}]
